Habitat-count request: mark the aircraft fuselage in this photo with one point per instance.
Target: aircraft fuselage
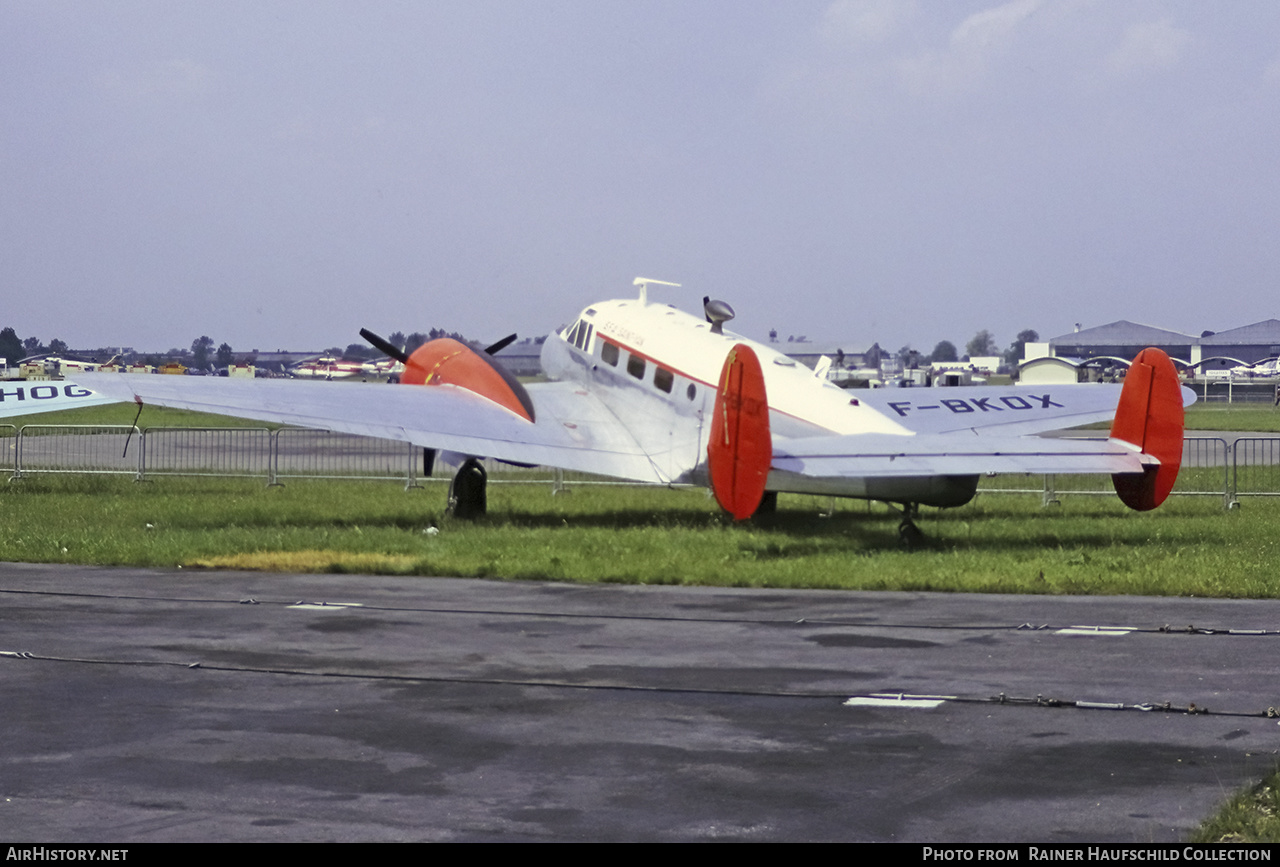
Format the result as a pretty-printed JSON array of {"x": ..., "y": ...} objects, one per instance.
[{"x": 657, "y": 369}]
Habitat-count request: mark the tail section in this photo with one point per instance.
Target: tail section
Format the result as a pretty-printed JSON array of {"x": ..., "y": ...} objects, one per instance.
[
  {"x": 1150, "y": 417},
  {"x": 741, "y": 448}
]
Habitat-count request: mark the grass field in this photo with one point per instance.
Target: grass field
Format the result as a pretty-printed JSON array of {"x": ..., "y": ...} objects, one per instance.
[
  {"x": 1002, "y": 543},
  {"x": 1249, "y": 417},
  {"x": 1252, "y": 816},
  {"x": 1261, "y": 418}
]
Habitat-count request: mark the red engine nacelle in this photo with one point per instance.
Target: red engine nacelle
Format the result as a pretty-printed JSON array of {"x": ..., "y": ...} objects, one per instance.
[{"x": 446, "y": 361}]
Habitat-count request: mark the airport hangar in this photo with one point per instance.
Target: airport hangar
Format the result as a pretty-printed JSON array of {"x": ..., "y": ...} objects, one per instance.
[{"x": 1082, "y": 354}]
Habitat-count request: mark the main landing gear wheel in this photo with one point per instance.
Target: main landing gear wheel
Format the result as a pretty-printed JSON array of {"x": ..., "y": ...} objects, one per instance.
[
  {"x": 908, "y": 533},
  {"x": 768, "y": 504},
  {"x": 467, "y": 495}
]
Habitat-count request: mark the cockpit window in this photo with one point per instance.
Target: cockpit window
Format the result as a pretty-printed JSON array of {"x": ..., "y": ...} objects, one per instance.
[
  {"x": 663, "y": 379},
  {"x": 635, "y": 366},
  {"x": 580, "y": 337},
  {"x": 609, "y": 353}
]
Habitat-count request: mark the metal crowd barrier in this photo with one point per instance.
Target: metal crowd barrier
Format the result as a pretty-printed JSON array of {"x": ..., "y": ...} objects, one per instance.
[
  {"x": 184, "y": 451},
  {"x": 305, "y": 453},
  {"x": 1207, "y": 469},
  {"x": 1211, "y": 466},
  {"x": 1255, "y": 464},
  {"x": 8, "y": 447},
  {"x": 47, "y": 448}
]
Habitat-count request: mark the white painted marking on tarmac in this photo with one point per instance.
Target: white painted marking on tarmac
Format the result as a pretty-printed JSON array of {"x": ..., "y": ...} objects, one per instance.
[
  {"x": 899, "y": 700},
  {"x": 327, "y": 606},
  {"x": 1096, "y": 630}
]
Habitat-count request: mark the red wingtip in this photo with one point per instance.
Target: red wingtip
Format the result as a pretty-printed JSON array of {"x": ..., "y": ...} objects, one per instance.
[
  {"x": 741, "y": 449},
  {"x": 1150, "y": 417}
]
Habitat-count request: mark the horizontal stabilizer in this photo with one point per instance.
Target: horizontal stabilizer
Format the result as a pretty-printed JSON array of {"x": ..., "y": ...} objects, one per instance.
[{"x": 888, "y": 456}]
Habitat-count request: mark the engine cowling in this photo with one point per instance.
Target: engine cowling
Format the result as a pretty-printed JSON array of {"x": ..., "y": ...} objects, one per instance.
[{"x": 446, "y": 361}]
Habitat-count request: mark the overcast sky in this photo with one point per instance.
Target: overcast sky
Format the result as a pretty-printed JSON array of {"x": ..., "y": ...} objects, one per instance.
[{"x": 279, "y": 174}]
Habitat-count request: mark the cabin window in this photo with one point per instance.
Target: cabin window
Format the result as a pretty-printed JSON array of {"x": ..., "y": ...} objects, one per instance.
[
  {"x": 663, "y": 379},
  {"x": 691, "y": 391},
  {"x": 635, "y": 366},
  {"x": 609, "y": 353}
]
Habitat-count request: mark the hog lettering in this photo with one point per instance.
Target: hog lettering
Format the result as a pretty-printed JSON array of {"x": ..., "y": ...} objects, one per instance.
[{"x": 42, "y": 392}]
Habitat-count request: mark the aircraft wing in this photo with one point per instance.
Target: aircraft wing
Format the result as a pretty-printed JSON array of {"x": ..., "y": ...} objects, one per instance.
[
  {"x": 1001, "y": 410},
  {"x": 574, "y": 430},
  {"x": 887, "y": 455},
  {"x": 27, "y": 397}
]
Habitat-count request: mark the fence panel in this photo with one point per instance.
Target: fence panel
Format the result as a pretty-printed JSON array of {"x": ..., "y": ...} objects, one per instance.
[
  {"x": 1206, "y": 465},
  {"x": 1210, "y": 465},
  {"x": 1206, "y": 469},
  {"x": 1234, "y": 391},
  {"x": 188, "y": 451},
  {"x": 78, "y": 449},
  {"x": 8, "y": 448},
  {"x": 303, "y": 453},
  {"x": 1256, "y": 466}
]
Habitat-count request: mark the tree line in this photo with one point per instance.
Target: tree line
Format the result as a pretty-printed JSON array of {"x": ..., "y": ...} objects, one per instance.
[
  {"x": 14, "y": 348},
  {"x": 983, "y": 344},
  {"x": 202, "y": 354}
]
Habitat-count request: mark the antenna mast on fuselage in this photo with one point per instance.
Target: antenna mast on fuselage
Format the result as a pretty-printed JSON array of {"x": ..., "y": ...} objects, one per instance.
[{"x": 643, "y": 283}]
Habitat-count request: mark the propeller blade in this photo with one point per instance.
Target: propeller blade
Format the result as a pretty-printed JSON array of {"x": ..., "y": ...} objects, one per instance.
[
  {"x": 386, "y": 348},
  {"x": 500, "y": 345}
]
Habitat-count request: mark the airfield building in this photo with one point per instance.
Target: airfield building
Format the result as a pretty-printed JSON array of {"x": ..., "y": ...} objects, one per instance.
[
  {"x": 1244, "y": 345},
  {"x": 1122, "y": 340}
]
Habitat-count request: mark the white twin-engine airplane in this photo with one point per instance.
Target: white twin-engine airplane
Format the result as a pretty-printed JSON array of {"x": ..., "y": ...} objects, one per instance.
[{"x": 643, "y": 391}]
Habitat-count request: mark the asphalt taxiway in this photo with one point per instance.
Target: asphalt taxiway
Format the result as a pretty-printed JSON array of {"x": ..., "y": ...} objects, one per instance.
[{"x": 146, "y": 705}]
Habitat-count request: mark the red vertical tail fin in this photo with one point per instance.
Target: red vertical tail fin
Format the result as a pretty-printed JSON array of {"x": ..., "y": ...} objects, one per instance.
[
  {"x": 1150, "y": 417},
  {"x": 741, "y": 448}
]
